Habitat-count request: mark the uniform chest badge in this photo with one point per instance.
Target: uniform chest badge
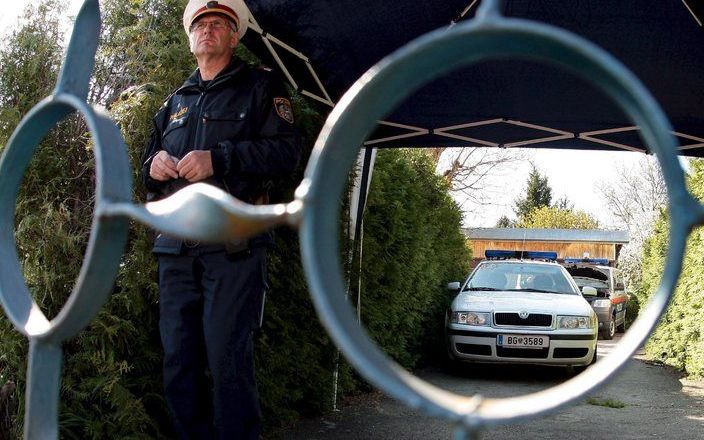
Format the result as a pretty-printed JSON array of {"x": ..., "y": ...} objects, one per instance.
[
  {"x": 283, "y": 109},
  {"x": 180, "y": 114}
]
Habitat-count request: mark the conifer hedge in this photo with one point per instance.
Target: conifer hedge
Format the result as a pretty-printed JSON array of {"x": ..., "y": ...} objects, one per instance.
[
  {"x": 412, "y": 249},
  {"x": 679, "y": 338},
  {"x": 111, "y": 381}
]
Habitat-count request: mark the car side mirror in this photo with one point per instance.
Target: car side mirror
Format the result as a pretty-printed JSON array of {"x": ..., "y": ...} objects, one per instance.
[
  {"x": 455, "y": 285},
  {"x": 588, "y": 291},
  {"x": 620, "y": 286}
]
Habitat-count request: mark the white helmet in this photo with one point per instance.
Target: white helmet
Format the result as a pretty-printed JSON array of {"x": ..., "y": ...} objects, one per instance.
[{"x": 235, "y": 10}]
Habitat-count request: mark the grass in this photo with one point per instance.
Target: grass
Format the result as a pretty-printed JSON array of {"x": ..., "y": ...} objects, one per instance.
[{"x": 608, "y": 403}]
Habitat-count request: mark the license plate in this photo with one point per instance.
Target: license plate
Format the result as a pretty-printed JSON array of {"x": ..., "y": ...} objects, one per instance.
[{"x": 522, "y": 341}]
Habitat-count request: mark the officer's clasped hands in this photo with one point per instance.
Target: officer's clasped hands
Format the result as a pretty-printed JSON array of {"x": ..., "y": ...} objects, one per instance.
[
  {"x": 163, "y": 167},
  {"x": 195, "y": 166}
]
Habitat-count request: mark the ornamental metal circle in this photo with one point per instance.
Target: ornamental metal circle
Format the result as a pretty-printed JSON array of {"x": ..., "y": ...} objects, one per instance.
[
  {"x": 489, "y": 36},
  {"x": 205, "y": 213},
  {"x": 107, "y": 236}
]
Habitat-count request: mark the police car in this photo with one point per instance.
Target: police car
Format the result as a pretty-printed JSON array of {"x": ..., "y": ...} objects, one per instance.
[
  {"x": 521, "y": 307},
  {"x": 611, "y": 300}
]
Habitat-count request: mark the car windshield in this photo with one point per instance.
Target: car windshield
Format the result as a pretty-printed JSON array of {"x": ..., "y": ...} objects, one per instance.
[{"x": 520, "y": 276}]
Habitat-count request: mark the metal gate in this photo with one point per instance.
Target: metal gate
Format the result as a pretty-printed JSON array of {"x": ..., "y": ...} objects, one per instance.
[{"x": 202, "y": 212}]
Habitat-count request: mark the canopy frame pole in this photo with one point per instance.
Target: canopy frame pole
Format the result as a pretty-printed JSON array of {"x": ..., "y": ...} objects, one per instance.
[
  {"x": 414, "y": 131},
  {"x": 699, "y": 22},
  {"x": 358, "y": 194},
  {"x": 268, "y": 39}
]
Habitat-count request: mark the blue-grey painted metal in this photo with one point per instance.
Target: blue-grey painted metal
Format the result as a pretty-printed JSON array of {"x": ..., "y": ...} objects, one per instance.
[
  {"x": 383, "y": 87},
  {"x": 107, "y": 237},
  {"x": 77, "y": 68},
  {"x": 207, "y": 213}
]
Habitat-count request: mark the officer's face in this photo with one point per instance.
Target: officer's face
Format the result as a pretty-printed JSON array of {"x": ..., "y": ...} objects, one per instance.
[{"x": 212, "y": 34}]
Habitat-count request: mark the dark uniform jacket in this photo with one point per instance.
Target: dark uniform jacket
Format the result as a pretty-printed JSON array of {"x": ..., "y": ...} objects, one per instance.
[{"x": 243, "y": 116}]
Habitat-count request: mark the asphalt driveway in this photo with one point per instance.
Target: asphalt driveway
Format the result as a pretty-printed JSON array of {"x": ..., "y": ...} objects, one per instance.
[{"x": 645, "y": 401}]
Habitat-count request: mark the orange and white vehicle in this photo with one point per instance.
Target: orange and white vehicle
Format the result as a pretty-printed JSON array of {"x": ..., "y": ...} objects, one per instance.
[{"x": 611, "y": 300}]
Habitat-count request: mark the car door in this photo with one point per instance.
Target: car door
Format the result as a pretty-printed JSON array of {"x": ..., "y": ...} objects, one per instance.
[{"x": 618, "y": 296}]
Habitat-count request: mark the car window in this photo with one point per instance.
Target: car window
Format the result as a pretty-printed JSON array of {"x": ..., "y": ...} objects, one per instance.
[{"x": 520, "y": 276}]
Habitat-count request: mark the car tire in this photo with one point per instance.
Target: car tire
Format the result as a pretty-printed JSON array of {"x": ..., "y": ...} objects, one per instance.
[
  {"x": 609, "y": 330},
  {"x": 453, "y": 367},
  {"x": 574, "y": 370},
  {"x": 450, "y": 363}
]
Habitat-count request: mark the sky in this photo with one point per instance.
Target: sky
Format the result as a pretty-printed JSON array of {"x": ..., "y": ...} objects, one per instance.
[
  {"x": 572, "y": 174},
  {"x": 12, "y": 9}
]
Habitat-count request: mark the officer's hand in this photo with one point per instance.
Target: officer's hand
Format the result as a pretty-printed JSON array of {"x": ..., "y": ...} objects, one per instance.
[
  {"x": 196, "y": 165},
  {"x": 163, "y": 167}
]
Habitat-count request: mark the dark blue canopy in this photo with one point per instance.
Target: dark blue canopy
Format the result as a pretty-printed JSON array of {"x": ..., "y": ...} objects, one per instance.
[{"x": 503, "y": 103}]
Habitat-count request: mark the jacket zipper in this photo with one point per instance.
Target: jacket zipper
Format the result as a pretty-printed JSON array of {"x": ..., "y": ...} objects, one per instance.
[
  {"x": 198, "y": 134},
  {"x": 200, "y": 98}
]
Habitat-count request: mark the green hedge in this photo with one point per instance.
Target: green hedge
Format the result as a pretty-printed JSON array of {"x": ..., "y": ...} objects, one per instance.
[
  {"x": 412, "y": 248},
  {"x": 679, "y": 338}
]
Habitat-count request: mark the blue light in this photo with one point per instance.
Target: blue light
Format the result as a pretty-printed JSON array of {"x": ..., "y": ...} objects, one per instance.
[
  {"x": 529, "y": 255},
  {"x": 540, "y": 255},
  {"x": 494, "y": 254}
]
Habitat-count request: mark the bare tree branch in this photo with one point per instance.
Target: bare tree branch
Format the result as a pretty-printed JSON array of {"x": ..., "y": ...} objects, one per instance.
[
  {"x": 472, "y": 172},
  {"x": 635, "y": 199}
]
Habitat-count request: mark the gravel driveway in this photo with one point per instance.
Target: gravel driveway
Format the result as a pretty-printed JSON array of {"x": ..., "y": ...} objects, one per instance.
[{"x": 657, "y": 403}]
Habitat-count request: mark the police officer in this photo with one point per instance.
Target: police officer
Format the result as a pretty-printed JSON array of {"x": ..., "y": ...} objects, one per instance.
[{"x": 231, "y": 126}]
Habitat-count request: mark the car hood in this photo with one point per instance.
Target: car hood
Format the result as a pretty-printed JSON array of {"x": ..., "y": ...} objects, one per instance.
[{"x": 532, "y": 302}]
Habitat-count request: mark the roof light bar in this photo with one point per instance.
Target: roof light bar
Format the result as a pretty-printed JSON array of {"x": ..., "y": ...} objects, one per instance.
[
  {"x": 540, "y": 255},
  {"x": 496, "y": 255},
  {"x": 492, "y": 254}
]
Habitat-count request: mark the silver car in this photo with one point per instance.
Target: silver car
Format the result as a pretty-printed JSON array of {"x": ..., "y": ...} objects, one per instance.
[{"x": 521, "y": 307}]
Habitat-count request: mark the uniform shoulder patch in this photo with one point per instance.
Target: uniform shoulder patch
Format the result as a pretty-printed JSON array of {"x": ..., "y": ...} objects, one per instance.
[{"x": 283, "y": 109}]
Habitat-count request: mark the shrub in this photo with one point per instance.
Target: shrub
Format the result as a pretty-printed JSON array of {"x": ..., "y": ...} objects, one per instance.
[{"x": 679, "y": 337}]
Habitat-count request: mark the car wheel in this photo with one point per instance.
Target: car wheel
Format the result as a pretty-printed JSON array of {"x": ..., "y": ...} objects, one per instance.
[
  {"x": 454, "y": 367},
  {"x": 609, "y": 330},
  {"x": 573, "y": 370},
  {"x": 450, "y": 363}
]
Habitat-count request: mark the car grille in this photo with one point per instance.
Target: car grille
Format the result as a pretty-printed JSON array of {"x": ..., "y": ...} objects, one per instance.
[
  {"x": 533, "y": 320},
  {"x": 484, "y": 350},
  {"x": 524, "y": 353},
  {"x": 561, "y": 353}
]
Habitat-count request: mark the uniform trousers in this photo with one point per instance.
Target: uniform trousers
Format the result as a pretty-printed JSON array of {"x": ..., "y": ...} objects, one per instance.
[{"x": 210, "y": 304}]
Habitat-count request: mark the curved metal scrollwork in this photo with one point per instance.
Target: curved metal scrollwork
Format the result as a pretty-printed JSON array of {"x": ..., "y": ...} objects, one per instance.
[{"x": 208, "y": 214}]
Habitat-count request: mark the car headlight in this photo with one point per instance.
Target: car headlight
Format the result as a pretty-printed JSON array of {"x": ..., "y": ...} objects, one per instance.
[
  {"x": 470, "y": 318},
  {"x": 601, "y": 303},
  {"x": 575, "y": 322}
]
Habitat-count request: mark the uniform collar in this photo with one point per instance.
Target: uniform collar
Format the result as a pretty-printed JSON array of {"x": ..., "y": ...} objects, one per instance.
[{"x": 194, "y": 81}]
